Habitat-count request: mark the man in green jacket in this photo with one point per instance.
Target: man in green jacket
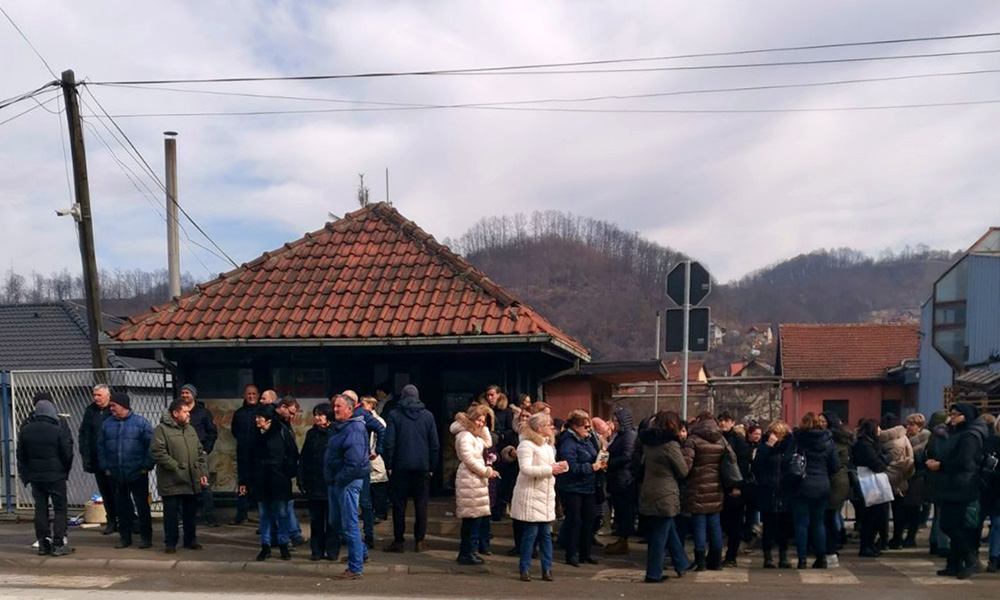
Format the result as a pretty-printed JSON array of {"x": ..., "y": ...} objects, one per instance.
[{"x": 181, "y": 473}]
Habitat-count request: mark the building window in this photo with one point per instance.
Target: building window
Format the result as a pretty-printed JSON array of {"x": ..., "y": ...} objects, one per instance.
[
  {"x": 841, "y": 408},
  {"x": 948, "y": 328}
]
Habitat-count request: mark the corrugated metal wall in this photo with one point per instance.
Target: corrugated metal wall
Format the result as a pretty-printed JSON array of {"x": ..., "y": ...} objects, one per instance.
[
  {"x": 982, "y": 330},
  {"x": 935, "y": 373}
]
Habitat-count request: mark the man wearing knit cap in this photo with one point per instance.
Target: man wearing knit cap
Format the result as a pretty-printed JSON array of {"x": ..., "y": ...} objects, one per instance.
[
  {"x": 123, "y": 454},
  {"x": 410, "y": 453},
  {"x": 958, "y": 489},
  {"x": 204, "y": 426},
  {"x": 44, "y": 459}
]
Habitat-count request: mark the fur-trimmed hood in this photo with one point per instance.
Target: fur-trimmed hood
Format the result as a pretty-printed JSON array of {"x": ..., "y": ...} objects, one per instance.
[
  {"x": 892, "y": 434},
  {"x": 527, "y": 433},
  {"x": 463, "y": 423}
]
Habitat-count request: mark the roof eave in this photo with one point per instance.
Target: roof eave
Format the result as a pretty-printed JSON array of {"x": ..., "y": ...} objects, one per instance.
[{"x": 480, "y": 340}]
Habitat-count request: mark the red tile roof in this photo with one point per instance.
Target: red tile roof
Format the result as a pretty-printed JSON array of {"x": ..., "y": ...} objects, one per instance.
[
  {"x": 368, "y": 276},
  {"x": 855, "y": 351}
]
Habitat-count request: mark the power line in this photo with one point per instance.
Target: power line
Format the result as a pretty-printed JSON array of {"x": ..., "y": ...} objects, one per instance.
[
  {"x": 414, "y": 105},
  {"x": 22, "y": 113},
  {"x": 32, "y": 46},
  {"x": 157, "y": 179},
  {"x": 526, "y": 69},
  {"x": 27, "y": 95},
  {"x": 135, "y": 180}
]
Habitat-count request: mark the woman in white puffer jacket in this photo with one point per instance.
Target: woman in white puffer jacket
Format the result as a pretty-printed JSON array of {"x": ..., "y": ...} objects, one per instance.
[
  {"x": 534, "y": 501},
  {"x": 472, "y": 488}
]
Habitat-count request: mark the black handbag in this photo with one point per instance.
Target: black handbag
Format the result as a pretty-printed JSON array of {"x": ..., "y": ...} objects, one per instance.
[{"x": 729, "y": 470}]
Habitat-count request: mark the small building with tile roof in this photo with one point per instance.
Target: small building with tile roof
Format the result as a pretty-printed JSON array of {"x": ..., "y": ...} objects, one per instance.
[
  {"x": 858, "y": 370},
  {"x": 368, "y": 299}
]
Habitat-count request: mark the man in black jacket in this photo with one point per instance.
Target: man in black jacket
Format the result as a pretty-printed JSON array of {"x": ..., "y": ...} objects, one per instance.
[
  {"x": 734, "y": 506},
  {"x": 411, "y": 451},
  {"x": 958, "y": 489},
  {"x": 44, "y": 459},
  {"x": 204, "y": 426},
  {"x": 243, "y": 429},
  {"x": 90, "y": 429},
  {"x": 621, "y": 479}
]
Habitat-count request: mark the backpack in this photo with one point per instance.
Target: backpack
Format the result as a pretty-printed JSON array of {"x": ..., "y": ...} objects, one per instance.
[{"x": 988, "y": 475}]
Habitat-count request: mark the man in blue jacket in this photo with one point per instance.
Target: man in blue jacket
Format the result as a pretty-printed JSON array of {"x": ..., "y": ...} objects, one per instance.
[
  {"x": 374, "y": 427},
  {"x": 410, "y": 453},
  {"x": 346, "y": 467},
  {"x": 123, "y": 454}
]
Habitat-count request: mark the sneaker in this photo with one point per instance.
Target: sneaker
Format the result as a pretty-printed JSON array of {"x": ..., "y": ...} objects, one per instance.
[
  {"x": 44, "y": 547},
  {"x": 62, "y": 550},
  {"x": 832, "y": 561}
]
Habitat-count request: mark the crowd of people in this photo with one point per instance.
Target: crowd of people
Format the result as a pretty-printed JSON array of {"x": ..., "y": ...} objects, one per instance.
[{"x": 666, "y": 481}]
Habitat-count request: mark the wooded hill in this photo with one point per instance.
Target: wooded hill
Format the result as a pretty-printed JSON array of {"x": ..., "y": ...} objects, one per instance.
[{"x": 604, "y": 285}]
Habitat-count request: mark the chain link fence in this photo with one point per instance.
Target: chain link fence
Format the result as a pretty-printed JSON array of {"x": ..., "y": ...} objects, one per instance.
[{"x": 150, "y": 392}]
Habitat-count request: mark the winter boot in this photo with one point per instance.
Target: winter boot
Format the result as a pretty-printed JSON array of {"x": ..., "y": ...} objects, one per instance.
[
  {"x": 619, "y": 546},
  {"x": 994, "y": 565},
  {"x": 264, "y": 554},
  {"x": 286, "y": 554},
  {"x": 783, "y": 560},
  {"x": 769, "y": 560},
  {"x": 715, "y": 560},
  {"x": 820, "y": 562},
  {"x": 699, "y": 560}
]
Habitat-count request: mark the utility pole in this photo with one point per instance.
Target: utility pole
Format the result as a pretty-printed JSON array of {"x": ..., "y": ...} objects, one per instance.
[
  {"x": 85, "y": 223},
  {"x": 173, "y": 239},
  {"x": 687, "y": 332},
  {"x": 656, "y": 382}
]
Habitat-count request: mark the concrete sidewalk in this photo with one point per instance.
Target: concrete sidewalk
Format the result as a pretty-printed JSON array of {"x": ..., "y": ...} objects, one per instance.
[{"x": 232, "y": 549}]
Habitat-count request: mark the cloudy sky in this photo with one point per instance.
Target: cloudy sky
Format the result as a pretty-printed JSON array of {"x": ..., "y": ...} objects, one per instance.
[{"x": 738, "y": 190}]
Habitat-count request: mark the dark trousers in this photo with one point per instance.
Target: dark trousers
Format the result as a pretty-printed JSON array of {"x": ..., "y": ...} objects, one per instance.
[
  {"x": 905, "y": 520},
  {"x": 871, "y": 520},
  {"x": 42, "y": 492},
  {"x": 623, "y": 505},
  {"x": 964, "y": 536},
  {"x": 579, "y": 510},
  {"x": 404, "y": 485},
  {"x": 133, "y": 496},
  {"x": 777, "y": 530},
  {"x": 207, "y": 504},
  {"x": 469, "y": 544},
  {"x": 380, "y": 500},
  {"x": 733, "y": 510},
  {"x": 107, "y": 490},
  {"x": 832, "y": 530},
  {"x": 367, "y": 510},
  {"x": 321, "y": 533},
  {"x": 184, "y": 508}
]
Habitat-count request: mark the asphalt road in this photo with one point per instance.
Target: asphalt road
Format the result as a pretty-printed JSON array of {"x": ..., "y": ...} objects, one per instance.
[{"x": 901, "y": 575}]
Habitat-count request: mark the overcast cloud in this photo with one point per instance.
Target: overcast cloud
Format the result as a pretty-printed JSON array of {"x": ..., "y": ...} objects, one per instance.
[{"x": 737, "y": 191}]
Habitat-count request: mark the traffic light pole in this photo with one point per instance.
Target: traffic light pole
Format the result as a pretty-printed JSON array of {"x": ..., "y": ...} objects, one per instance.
[{"x": 686, "y": 348}]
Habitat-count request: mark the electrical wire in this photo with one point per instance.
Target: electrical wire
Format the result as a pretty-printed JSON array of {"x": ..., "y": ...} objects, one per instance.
[
  {"x": 149, "y": 193},
  {"x": 568, "y": 100},
  {"x": 152, "y": 173},
  {"x": 27, "y": 95},
  {"x": 136, "y": 180},
  {"x": 21, "y": 114},
  {"x": 522, "y": 69},
  {"x": 32, "y": 46}
]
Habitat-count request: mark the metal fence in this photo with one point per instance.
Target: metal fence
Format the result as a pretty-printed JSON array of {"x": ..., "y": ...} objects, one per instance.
[{"x": 150, "y": 392}]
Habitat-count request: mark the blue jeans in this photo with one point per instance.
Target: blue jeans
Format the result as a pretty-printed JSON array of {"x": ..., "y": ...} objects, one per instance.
[
  {"x": 705, "y": 526},
  {"x": 531, "y": 532},
  {"x": 470, "y": 536},
  {"x": 274, "y": 522},
  {"x": 367, "y": 513},
  {"x": 294, "y": 529},
  {"x": 344, "y": 510},
  {"x": 662, "y": 534},
  {"x": 807, "y": 514},
  {"x": 994, "y": 536},
  {"x": 484, "y": 535}
]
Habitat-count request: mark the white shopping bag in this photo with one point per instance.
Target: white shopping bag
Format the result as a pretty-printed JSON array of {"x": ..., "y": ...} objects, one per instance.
[{"x": 875, "y": 487}]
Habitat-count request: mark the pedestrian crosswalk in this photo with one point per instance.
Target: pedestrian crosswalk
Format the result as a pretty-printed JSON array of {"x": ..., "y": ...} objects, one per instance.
[{"x": 917, "y": 571}]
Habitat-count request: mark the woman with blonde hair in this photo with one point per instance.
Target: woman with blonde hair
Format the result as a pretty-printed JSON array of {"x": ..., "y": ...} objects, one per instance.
[
  {"x": 534, "y": 501},
  {"x": 472, "y": 492}
]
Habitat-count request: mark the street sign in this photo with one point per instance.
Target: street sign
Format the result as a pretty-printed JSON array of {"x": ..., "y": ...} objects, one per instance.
[
  {"x": 701, "y": 283},
  {"x": 697, "y": 330}
]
